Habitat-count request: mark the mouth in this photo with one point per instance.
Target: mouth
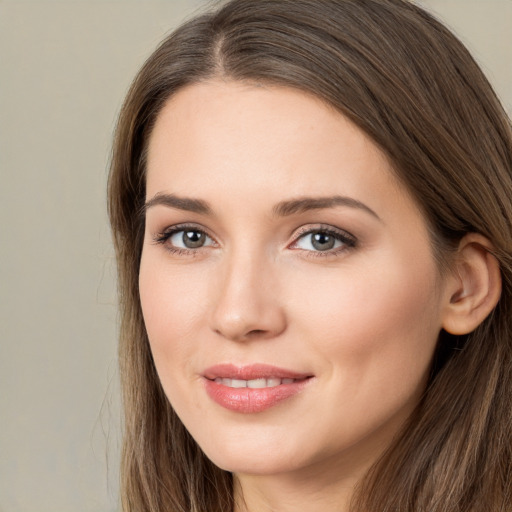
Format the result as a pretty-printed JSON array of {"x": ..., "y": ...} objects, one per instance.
[{"x": 253, "y": 388}]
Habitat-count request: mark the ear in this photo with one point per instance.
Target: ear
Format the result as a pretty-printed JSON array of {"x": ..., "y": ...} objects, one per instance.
[{"x": 474, "y": 286}]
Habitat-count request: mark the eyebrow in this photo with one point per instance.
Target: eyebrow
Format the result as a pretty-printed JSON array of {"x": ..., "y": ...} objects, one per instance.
[
  {"x": 179, "y": 203},
  {"x": 282, "y": 209},
  {"x": 305, "y": 204}
]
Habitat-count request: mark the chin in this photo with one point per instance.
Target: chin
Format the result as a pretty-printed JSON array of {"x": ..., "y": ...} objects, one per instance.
[
  {"x": 258, "y": 466},
  {"x": 259, "y": 458}
]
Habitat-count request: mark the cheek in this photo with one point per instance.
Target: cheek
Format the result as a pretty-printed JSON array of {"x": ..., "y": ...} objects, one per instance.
[
  {"x": 372, "y": 324},
  {"x": 373, "y": 336},
  {"x": 173, "y": 304}
]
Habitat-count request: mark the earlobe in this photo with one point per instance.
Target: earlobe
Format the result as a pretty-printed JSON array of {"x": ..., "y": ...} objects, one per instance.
[{"x": 474, "y": 287}]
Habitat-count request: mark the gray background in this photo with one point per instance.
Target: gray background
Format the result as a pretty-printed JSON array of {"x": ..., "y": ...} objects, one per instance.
[{"x": 64, "y": 69}]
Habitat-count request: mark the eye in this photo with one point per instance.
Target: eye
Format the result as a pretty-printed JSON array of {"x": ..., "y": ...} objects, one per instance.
[
  {"x": 190, "y": 239},
  {"x": 184, "y": 238},
  {"x": 327, "y": 240}
]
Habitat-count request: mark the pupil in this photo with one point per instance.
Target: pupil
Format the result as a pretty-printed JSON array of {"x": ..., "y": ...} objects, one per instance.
[
  {"x": 322, "y": 241},
  {"x": 193, "y": 239}
]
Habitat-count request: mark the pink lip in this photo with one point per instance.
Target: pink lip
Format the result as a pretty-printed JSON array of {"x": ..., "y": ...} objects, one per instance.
[
  {"x": 252, "y": 400},
  {"x": 253, "y": 371}
]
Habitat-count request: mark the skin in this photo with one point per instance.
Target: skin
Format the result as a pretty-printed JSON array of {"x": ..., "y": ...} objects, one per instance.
[{"x": 362, "y": 318}]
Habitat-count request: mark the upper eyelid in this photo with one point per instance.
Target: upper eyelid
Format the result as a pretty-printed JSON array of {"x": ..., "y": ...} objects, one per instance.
[
  {"x": 305, "y": 230},
  {"x": 176, "y": 228}
]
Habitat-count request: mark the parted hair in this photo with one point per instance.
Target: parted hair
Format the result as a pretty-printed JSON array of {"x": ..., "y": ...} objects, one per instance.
[{"x": 409, "y": 83}]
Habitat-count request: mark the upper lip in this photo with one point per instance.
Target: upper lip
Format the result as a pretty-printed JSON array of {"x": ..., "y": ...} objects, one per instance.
[{"x": 251, "y": 371}]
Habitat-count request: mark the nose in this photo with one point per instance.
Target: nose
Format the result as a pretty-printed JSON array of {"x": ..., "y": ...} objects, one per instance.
[{"x": 248, "y": 305}]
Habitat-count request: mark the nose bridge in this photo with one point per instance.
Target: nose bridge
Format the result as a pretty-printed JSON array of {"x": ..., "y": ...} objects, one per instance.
[{"x": 247, "y": 305}]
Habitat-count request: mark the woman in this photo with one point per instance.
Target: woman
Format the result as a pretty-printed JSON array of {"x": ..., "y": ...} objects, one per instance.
[{"x": 311, "y": 206}]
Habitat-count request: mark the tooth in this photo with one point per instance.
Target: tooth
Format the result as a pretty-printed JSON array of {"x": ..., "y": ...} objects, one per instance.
[
  {"x": 237, "y": 383},
  {"x": 253, "y": 383},
  {"x": 257, "y": 383}
]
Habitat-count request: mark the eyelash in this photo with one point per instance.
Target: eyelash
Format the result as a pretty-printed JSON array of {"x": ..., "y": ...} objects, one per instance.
[{"x": 348, "y": 240}]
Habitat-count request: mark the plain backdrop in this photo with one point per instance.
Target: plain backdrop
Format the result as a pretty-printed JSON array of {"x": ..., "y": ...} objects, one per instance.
[{"x": 64, "y": 69}]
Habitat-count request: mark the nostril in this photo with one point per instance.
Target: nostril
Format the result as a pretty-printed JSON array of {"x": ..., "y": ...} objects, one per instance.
[
  {"x": 252, "y": 334},
  {"x": 255, "y": 333}
]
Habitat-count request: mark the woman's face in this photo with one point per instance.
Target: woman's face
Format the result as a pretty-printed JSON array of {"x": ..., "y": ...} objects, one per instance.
[{"x": 287, "y": 281}]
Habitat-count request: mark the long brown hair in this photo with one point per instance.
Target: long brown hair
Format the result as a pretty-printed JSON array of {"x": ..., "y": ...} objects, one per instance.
[{"x": 405, "y": 80}]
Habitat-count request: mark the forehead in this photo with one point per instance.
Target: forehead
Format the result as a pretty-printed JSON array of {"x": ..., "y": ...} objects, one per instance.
[{"x": 216, "y": 138}]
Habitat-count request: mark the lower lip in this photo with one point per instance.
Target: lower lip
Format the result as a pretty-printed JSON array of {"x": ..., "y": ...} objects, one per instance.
[{"x": 251, "y": 400}]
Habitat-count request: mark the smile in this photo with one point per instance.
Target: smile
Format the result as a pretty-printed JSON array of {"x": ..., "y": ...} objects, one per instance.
[{"x": 253, "y": 388}]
